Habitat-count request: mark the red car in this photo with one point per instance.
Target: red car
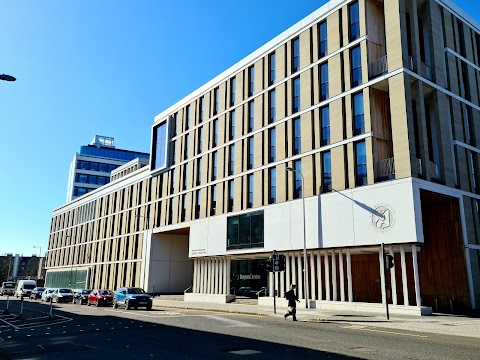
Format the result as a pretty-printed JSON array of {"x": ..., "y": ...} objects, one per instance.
[{"x": 100, "y": 297}]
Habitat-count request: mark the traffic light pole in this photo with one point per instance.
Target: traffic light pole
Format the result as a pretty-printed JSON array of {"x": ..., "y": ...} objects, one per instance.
[
  {"x": 274, "y": 283},
  {"x": 385, "y": 279}
]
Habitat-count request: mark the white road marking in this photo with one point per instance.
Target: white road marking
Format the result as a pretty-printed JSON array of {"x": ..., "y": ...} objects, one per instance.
[
  {"x": 231, "y": 322},
  {"x": 364, "y": 328}
]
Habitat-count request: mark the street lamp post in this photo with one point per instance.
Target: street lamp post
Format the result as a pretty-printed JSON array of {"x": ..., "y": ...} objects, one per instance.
[
  {"x": 39, "y": 251},
  {"x": 305, "y": 277}
]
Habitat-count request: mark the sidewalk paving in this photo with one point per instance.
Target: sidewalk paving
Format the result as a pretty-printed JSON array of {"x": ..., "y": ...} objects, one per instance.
[{"x": 446, "y": 324}]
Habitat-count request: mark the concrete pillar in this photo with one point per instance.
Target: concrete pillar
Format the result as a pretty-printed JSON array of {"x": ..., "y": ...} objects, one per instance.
[
  {"x": 281, "y": 283},
  {"x": 349, "y": 276},
  {"x": 393, "y": 281},
  {"x": 215, "y": 276},
  {"x": 300, "y": 277},
  {"x": 227, "y": 276},
  {"x": 294, "y": 271},
  {"x": 404, "y": 275},
  {"x": 312, "y": 282},
  {"x": 319, "y": 275},
  {"x": 195, "y": 273},
  {"x": 270, "y": 283},
  {"x": 416, "y": 277},
  {"x": 287, "y": 270},
  {"x": 382, "y": 276},
  {"x": 210, "y": 277},
  {"x": 220, "y": 276},
  {"x": 202, "y": 275},
  {"x": 226, "y": 288},
  {"x": 334, "y": 275},
  {"x": 342, "y": 278},
  {"x": 327, "y": 276}
]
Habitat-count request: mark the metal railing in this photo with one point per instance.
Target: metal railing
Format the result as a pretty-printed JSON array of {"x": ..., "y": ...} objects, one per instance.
[
  {"x": 419, "y": 167},
  {"x": 410, "y": 63},
  {"x": 433, "y": 171},
  {"x": 385, "y": 168},
  {"x": 379, "y": 67},
  {"x": 188, "y": 289},
  {"x": 426, "y": 71}
]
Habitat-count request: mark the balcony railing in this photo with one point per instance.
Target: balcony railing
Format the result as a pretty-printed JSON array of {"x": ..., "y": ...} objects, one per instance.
[
  {"x": 379, "y": 67},
  {"x": 385, "y": 169},
  {"x": 426, "y": 71},
  {"x": 419, "y": 167},
  {"x": 433, "y": 171}
]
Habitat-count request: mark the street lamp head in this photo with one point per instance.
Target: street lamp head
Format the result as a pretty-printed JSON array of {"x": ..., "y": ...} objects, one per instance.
[
  {"x": 290, "y": 169},
  {"x": 7, "y": 77}
]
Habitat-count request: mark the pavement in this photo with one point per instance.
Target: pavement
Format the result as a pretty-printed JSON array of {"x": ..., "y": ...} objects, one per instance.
[{"x": 446, "y": 324}]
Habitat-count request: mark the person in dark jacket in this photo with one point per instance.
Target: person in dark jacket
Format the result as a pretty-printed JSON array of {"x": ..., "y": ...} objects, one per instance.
[{"x": 292, "y": 299}]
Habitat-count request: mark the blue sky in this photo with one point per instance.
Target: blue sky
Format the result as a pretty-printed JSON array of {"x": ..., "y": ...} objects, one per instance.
[{"x": 107, "y": 67}]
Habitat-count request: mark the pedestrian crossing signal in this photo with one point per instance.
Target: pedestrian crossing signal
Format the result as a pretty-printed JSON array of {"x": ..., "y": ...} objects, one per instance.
[{"x": 389, "y": 261}]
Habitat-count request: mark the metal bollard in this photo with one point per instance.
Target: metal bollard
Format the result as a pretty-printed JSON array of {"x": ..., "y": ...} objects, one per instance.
[
  {"x": 6, "y": 311},
  {"x": 20, "y": 316},
  {"x": 51, "y": 307}
]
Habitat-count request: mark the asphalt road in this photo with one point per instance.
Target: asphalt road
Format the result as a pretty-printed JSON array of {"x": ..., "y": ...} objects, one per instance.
[{"x": 81, "y": 332}]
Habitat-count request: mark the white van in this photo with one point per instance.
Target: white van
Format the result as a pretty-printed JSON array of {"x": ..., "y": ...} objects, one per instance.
[{"x": 25, "y": 287}]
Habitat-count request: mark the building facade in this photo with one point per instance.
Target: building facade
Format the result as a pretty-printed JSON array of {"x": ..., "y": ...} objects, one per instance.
[
  {"x": 92, "y": 166},
  {"x": 369, "y": 110},
  {"x": 15, "y": 267}
]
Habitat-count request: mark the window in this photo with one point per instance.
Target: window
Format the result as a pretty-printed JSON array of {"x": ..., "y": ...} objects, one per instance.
[
  {"x": 271, "y": 68},
  {"x": 214, "y": 165},
  {"x": 185, "y": 149},
  {"x": 184, "y": 207},
  {"x": 296, "y": 95},
  {"x": 358, "y": 120},
  {"x": 170, "y": 213},
  {"x": 469, "y": 130},
  {"x": 197, "y": 204},
  {"x": 297, "y": 140},
  {"x": 172, "y": 181},
  {"x": 325, "y": 118},
  {"x": 360, "y": 164},
  {"x": 213, "y": 204},
  {"x": 232, "y": 125},
  {"x": 245, "y": 231},
  {"x": 297, "y": 191},
  {"x": 251, "y": 115},
  {"x": 233, "y": 84},
  {"x": 250, "y": 150},
  {"x": 200, "y": 140},
  {"x": 102, "y": 167},
  {"x": 324, "y": 81},
  {"x": 201, "y": 106},
  {"x": 174, "y": 124},
  {"x": 230, "y": 196},
  {"x": 231, "y": 163},
  {"x": 271, "y": 106},
  {"x": 216, "y": 99},
  {"x": 251, "y": 80},
  {"x": 199, "y": 171},
  {"x": 215, "y": 133},
  {"x": 185, "y": 176},
  {"x": 102, "y": 180},
  {"x": 322, "y": 39},
  {"x": 271, "y": 144},
  {"x": 82, "y": 178},
  {"x": 173, "y": 152},
  {"x": 250, "y": 191},
  {"x": 326, "y": 172},
  {"x": 160, "y": 147},
  {"x": 272, "y": 185},
  {"x": 353, "y": 21},
  {"x": 94, "y": 166},
  {"x": 187, "y": 117},
  {"x": 356, "y": 65},
  {"x": 295, "y": 55}
]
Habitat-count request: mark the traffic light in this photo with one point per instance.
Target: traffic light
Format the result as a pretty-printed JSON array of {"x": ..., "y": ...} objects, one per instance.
[
  {"x": 268, "y": 265},
  {"x": 282, "y": 262},
  {"x": 389, "y": 261}
]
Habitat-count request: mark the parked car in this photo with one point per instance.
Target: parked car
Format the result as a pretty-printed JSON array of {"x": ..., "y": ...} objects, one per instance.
[
  {"x": 47, "y": 294},
  {"x": 37, "y": 293},
  {"x": 100, "y": 297},
  {"x": 25, "y": 287},
  {"x": 62, "y": 295},
  {"x": 132, "y": 297},
  {"x": 81, "y": 296},
  {"x": 8, "y": 288}
]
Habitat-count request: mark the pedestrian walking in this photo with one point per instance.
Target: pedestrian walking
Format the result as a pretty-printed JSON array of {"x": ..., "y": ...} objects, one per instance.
[{"x": 292, "y": 299}]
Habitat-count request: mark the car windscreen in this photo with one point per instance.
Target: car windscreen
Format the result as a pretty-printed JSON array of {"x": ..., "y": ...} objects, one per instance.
[
  {"x": 29, "y": 286},
  {"x": 86, "y": 292},
  {"x": 136, "y": 291},
  {"x": 64, "y": 291},
  {"x": 50, "y": 291},
  {"x": 40, "y": 289},
  {"x": 9, "y": 286},
  {"x": 105, "y": 292}
]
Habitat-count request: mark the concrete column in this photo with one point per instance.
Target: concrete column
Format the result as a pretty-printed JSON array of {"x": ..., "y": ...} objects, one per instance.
[
  {"x": 319, "y": 275},
  {"x": 300, "y": 276},
  {"x": 416, "y": 277},
  {"x": 312, "y": 276},
  {"x": 342, "y": 278},
  {"x": 220, "y": 276},
  {"x": 349, "y": 276},
  {"x": 287, "y": 270},
  {"x": 226, "y": 288},
  {"x": 195, "y": 273},
  {"x": 382, "y": 276},
  {"x": 202, "y": 275},
  {"x": 227, "y": 276},
  {"x": 327, "y": 276},
  {"x": 404, "y": 275},
  {"x": 215, "y": 275},
  {"x": 210, "y": 276},
  {"x": 393, "y": 281},
  {"x": 270, "y": 284},
  {"x": 281, "y": 283},
  {"x": 294, "y": 271},
  {"x": 334, "y": 275}
]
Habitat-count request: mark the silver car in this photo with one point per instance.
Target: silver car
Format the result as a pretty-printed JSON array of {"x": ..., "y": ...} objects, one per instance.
[{"x": 47, "y": 294}]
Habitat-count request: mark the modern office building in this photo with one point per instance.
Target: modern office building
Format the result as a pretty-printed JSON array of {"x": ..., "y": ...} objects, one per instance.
[
  {"x": 91, "y": 167},
  {"x": 15, "y": 267},
  {"x": 368, "y": 109}
]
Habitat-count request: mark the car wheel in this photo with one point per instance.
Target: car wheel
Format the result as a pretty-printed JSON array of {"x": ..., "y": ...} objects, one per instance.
[
  {"x": 127, "y": 305},
  {"x": 115, "y": 305},
  {"x": 135, "y": 307},
  {"x": 97, "y": 304},
  {"x": 56, "y": 300},
  {"x": 88, "y": 303},
  {"x": 149, "y": 307}
]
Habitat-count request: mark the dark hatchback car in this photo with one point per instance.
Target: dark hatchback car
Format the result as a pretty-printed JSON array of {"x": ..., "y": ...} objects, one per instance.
[
  {"x": 81, "y": 297},
  {"x": 37, "y": 293},
  {"x": 132, "y": 298},
  {"x": 100, "y": 298}
]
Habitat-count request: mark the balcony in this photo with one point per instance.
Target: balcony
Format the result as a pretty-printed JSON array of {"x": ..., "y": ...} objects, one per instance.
[
  {"x": 385, "y": 169},
  {"x": 426, "y": 71},
  {"x": 379, "y": 67},
  {"x": 433, "y": 172}
]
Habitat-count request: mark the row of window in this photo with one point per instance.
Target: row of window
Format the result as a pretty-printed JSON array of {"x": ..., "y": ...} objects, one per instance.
[
  {"x": 79, "y": 191},
  {"x": 91, "y": 179},
  {"x": 95, "y": 166},
  {"x": 112, "y": 153}
]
